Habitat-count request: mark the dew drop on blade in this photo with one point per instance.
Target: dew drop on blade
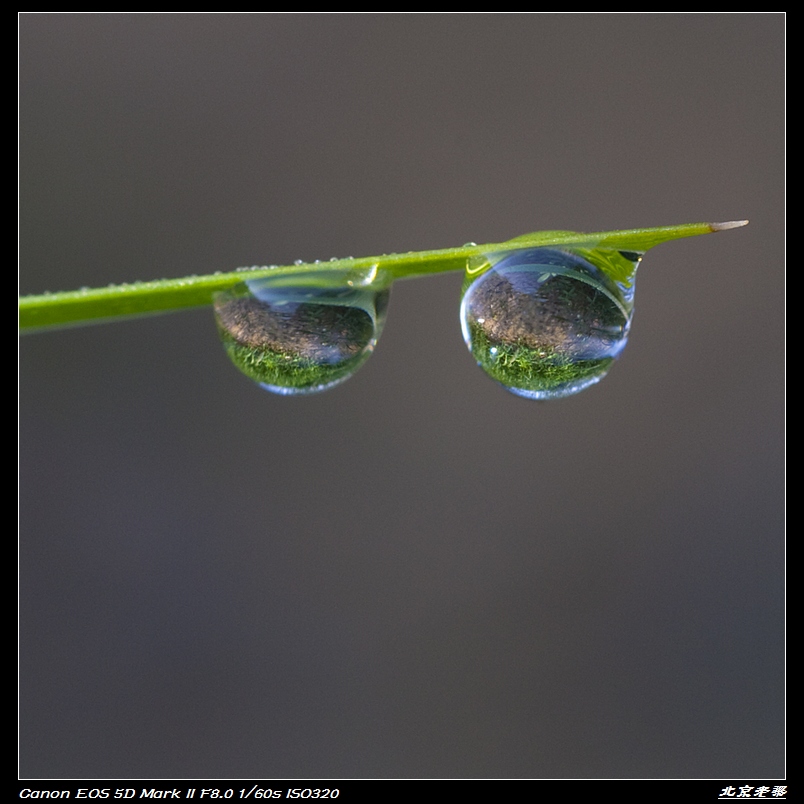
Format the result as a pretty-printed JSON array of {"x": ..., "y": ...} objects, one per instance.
[
  {"x": 545, "y": 323},
  {"x": 304, "y": 333}
]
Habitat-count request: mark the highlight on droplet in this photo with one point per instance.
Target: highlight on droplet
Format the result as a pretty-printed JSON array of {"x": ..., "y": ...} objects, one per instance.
[
  {"x": 545, "y": 322},
  {"x": 303, "y": 333}
]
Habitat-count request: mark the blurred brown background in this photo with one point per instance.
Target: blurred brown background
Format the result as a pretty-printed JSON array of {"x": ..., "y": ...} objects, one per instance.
[{"x": 415, "y": 574}]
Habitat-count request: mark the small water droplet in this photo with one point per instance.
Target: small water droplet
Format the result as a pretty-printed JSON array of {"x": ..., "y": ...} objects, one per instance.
[
  {"x": 544, "y": 322},
  {"x": 302, "y": 333},
  {"x": 470, "y": 244},
  {"x": 298, "y": 262}
]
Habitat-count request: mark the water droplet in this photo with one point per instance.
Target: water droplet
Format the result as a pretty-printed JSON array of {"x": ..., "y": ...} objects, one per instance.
[
  {"x": 298, "y": 262},
  {"x": 470, "y": 244},
  {"x": 544, "y": 322},
  {"x": 306, "y": 332}
]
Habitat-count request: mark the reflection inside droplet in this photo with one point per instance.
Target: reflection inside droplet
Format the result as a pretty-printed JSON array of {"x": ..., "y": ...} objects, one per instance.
[
  {"x": 544, "y": 322},
  {"x": 303, "y": 333}
]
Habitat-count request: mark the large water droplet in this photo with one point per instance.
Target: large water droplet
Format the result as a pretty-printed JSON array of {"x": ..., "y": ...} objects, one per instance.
[
  {"x": 304, "y": 333},
  {"x": 544, "y": 322}
]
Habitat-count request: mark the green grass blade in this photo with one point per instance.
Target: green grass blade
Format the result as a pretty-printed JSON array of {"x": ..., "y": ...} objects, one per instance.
[{"x": 93, "y": 305}]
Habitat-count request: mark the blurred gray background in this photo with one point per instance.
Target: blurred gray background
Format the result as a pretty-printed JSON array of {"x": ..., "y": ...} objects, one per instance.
[{"x": 416, "y": 574}]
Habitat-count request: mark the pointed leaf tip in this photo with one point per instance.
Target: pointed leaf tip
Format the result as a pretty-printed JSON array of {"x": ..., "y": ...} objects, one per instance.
[{"x": 720, "y": 227}]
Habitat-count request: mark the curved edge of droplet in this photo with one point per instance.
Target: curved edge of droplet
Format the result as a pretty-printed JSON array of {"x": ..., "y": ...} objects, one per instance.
[
  {"x": 282, "y": 390},
  {"x": 467, "y": 338},
  {"x": 556, "y": 393}
]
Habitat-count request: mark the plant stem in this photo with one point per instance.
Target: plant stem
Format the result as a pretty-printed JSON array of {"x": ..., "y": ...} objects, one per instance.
[{"x": 94, "y": 305}]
